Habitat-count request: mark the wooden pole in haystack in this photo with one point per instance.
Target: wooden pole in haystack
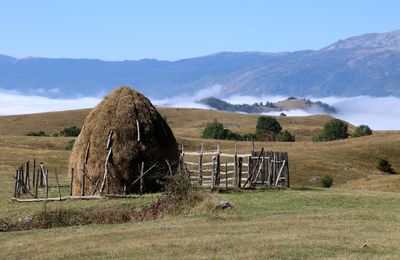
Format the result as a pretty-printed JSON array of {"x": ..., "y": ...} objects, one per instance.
[
  {"x": 141, "y": 178},
  {"x": 71, "y": 183}
]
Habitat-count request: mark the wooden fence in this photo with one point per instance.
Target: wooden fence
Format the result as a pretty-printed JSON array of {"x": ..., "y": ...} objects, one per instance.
[{"x": 232, "y": 170}]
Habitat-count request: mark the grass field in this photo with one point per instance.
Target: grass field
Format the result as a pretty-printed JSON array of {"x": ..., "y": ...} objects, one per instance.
[
  {"x": 362, "y": 208},
  {"x": 292, "y": 224}
]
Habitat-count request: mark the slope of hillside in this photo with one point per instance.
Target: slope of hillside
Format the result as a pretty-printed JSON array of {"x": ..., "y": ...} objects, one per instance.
[
  {"x": 362, "y": 65},
  {"x": 185, "y": 122}
]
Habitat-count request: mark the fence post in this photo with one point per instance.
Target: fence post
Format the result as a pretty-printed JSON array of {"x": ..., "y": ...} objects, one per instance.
[
  {"x": 201, "y": 166},
  {"x": 240, "y": 172},
  {"x": 226, "y": 174},
  {"x": 27, "y": 179},
  {"x": 218, "y": 167},
  {"x": 37, "y": 182},
  {"x": 46, "y": 181},
  {"x": 34, "y": 173},
  {"x": 213, "y": 170},
  {"x": 235, "y": 170}
]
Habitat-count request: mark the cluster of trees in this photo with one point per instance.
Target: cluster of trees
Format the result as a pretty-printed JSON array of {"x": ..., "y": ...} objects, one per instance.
[
  {"x": 216, "y": 130},
  {"x": 67, "y": 132},
  {"x": 336, "y": 129},
  {"x": 267, "y": 128}
]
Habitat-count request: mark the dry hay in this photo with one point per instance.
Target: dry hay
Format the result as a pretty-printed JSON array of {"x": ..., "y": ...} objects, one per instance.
[{"x": 119, "y": 114}]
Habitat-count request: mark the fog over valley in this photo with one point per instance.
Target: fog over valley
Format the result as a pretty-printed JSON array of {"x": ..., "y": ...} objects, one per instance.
[{"x": 380, "y": 113}]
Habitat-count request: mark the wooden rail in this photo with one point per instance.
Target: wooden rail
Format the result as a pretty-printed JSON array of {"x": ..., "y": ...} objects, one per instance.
[{"x": 264, "y": 168}]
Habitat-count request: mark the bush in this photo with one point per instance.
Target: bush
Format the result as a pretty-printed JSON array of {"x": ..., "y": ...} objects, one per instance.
[
  {"x": 335, "y": 129},
  {"x": 70, "y": 131},
  {"x": 282, "y": 114},
  {"x": 385, "y": 166},
  {"x": 38, "y": 133},
  {"x": 326, "y": 181},
  {"x": 267, "y": 124},
  {"x": 285, "y": 136},
  {"x": 215, "y": 130},
  {"x": 362, "y": 130},
  {"x": 70, "y": 145}
]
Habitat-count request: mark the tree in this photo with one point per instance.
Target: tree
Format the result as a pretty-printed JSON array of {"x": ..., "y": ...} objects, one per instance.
[
  {"x": 362, "y": 130},
  {"x": 215, "y": 130},
  {"x": 335, "y": 129},
  {"x": 70, "y": 131},
  {"x": 267, "y": 124},
  {"x": 285, "y": 136}
]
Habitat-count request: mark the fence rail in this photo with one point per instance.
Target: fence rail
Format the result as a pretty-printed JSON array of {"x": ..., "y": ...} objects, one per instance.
[{"x": 217, "y": 169}]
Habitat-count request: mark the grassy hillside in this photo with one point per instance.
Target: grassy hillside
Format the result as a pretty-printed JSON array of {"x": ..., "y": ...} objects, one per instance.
[
  {"x": 184, "y": 121},
  {"x": 292, "y": 224},
  {"x": 335, "y": 223}
]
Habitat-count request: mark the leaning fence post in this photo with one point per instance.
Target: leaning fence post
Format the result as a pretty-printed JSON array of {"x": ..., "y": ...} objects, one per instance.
[
  {"x": 16, "y": 185},
  {"x": 58, "y": 184}
]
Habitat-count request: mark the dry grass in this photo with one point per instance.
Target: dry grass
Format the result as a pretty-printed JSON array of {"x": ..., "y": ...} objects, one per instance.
[
  {"x": 316, "y": 224},
  {"x": 293, "y": 224}
]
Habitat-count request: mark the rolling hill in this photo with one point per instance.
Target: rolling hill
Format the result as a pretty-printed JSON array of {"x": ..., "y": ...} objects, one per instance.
[{"x": 363, "y": 65}]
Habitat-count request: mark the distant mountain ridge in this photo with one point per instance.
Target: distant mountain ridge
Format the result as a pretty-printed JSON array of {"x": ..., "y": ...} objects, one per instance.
[{"x": 362, "y": 65}]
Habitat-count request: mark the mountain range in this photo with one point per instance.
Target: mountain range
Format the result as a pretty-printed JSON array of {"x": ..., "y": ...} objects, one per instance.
[{"x": 368, "y": 64}]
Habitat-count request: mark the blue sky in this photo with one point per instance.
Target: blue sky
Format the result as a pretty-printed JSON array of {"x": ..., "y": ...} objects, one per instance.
[{"x": 118, "y": 29}]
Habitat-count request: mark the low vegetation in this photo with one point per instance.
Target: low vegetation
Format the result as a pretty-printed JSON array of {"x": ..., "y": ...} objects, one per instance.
[
  {"x": 384, "y": 166},
  {"x": 333, "y": 130},
  {"x": 216, "y": 130},
  {"x": 327, "y": 181},
  {"x": 37, "y": 133},
  {"x": 362, "y": 130},
  {"x": 70, "y": 131},
  {"x": 267, "y": 129}
]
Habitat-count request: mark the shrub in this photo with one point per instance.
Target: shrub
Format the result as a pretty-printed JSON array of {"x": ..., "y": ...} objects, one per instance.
[
  {"x": 267, "y": 124},
  {"x": 385, "y": 166},
  {"x": 285, "y": 136},
  {"x": 70, "y": 131},
  {"x": 282, "y": 114},
  {"x": 362, "y": 130},
  {"x": 335, "y": 129},
  {"x": 326, "y": 181},
  {"x": 214, "y": 130},
  {"x": 70, "y": 145},
  {"x": 38, "y": 133}
]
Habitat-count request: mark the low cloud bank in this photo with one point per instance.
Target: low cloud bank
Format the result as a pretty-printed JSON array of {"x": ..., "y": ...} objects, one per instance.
[
  {"x": 15, "y": 103},
  {"x": 381, "y": 113}
]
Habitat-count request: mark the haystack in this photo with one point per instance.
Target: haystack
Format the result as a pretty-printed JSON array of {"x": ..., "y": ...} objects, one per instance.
[{"x": 120, "y": 133}]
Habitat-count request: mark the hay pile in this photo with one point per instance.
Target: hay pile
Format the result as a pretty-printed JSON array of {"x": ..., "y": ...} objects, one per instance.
[{"x": 118, "y": 116}]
